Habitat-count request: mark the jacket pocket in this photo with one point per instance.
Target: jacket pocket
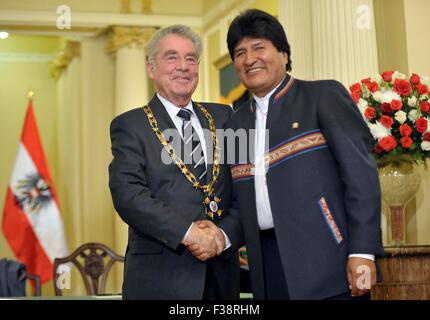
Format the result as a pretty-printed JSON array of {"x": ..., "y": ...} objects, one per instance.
[
  {"x": 329, "y": 220},
  {"x": 145, "y": 247}
]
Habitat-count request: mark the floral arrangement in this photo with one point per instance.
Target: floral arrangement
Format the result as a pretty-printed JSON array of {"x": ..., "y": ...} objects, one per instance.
[{"x": 397, "y": 112}]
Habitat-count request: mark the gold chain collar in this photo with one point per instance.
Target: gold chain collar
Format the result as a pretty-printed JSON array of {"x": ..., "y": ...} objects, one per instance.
[{"x": 208, "y": 188}]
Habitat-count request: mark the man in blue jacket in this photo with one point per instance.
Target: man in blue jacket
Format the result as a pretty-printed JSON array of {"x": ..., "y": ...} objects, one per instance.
[{"x": 308, "y": 202}]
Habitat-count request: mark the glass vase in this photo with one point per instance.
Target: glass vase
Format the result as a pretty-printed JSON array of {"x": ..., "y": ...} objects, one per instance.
[{"x": 399, "y": 185}]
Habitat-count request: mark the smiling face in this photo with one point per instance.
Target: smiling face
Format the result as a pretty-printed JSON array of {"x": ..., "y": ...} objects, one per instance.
[
  {"x": 175, "y": 69},
  {"x": 260, "y": 66}
]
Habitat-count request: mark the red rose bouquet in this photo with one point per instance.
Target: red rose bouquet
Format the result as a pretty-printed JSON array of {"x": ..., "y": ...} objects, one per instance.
[{"x": 397, "y": 112}]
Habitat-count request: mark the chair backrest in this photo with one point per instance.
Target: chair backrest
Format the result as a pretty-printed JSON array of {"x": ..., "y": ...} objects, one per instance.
[{"x": 94, "y": 261}]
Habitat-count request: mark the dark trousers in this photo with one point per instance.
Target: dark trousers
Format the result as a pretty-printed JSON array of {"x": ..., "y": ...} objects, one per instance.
[
  {"x": 275, "y": 284},
  {"x": 211, "y": 291}
]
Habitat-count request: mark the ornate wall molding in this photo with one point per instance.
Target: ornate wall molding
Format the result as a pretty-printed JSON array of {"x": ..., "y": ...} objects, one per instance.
[
  {"x": 25, "y": 57},
  {"x": 127, "y": 36},
  {"x": 64, "y": 58}
]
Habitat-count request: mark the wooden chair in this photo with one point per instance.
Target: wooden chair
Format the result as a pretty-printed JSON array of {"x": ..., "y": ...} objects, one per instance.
[{"x": 94, "y": 261}]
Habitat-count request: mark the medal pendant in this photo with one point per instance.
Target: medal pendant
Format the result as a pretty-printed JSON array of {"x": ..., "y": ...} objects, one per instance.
[{"x": 213, "y": 206}]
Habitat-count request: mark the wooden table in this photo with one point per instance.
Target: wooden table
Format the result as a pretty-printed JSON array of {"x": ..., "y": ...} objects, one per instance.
[{"x": 405, "y": 274}]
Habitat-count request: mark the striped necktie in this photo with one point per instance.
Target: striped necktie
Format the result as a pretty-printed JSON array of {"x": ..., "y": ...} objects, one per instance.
[{"x": 193, "y": 152}]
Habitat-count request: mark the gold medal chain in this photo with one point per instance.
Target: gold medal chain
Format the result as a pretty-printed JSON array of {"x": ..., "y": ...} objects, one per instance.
[{"x": 208, "y": 188}]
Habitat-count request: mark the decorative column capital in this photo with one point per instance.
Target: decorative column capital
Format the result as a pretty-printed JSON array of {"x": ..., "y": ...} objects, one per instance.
[
  {"x": 146, "y": 7},
  {"x": 64, "y": 58},
  {"x": 127, "y": 36}
]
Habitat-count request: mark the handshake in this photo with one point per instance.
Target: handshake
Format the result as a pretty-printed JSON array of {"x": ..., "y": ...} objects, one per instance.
[{"x": 204, "y": 240}]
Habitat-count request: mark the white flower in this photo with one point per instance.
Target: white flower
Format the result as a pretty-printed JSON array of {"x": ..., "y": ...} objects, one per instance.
[
  {"x": 400, "y": 116},
  {"x": 363, "y": 103},
  {"x": 412, "y": 102},
  {"x": 389, "y": 95},
  {"x": 366, "y": 93},
  {"x": 377, "y": 95},
  {"x": 398, "y": 75},
  {"x": 378, "y": 130},
  {"x": 414, "y": 115},
  {"x": 425, "y": 145}
]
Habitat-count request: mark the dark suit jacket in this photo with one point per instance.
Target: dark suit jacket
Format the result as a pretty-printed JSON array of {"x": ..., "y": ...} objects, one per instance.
[
  {"x": 159, "y": 204},
  {"x": 323, "y": 187}
]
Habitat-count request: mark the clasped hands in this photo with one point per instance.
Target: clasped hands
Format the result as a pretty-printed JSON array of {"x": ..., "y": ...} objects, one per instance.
[{"x": 205, "y": 240}]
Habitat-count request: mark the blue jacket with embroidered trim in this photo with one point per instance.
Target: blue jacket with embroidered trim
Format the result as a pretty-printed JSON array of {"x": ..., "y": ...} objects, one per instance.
[{"x": 324, "y": 194}]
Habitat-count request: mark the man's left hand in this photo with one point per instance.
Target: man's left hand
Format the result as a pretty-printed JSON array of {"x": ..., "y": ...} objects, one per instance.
[{"x": 361, "y": 275}]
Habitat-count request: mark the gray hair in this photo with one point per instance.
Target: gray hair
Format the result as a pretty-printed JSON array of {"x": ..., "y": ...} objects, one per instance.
[{"x": 177, "y": 29}]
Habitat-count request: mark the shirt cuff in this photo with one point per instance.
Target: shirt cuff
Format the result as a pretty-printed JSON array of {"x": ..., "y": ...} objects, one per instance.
[
  {"x": 227, "y": 240},
  {"x": 184, "y": 239},
  {"x": 362, "y": 255}
]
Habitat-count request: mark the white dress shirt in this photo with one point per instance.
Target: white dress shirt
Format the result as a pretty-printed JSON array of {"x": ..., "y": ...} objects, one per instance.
[
  {"x": 173, "y": 110},
  {"x": 264, "y": 211}
]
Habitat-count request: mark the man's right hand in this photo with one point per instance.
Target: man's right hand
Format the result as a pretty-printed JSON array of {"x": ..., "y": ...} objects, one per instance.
[{"x": 205, "y": 240}]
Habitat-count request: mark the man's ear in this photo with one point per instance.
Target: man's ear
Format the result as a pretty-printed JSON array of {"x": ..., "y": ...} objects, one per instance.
[
  {"x": 150, "y": 68},
  {"x": 285, "y": 57}
]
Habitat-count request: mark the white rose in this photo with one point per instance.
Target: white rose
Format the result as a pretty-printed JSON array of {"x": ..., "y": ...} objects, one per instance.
[
  {"x": 377, "y": 95},
  {"x": 400, "y": 116},
  {"x": 390, "y": 95},
  {"x": 363, "y": 103},
  {"x": 414, "y": 115},
  {"x": 378, "y": 130},
  {"x": 412, "y": 102},
  {"x": 425, "y": 145},
  {"x": 366, "y": 93},
  {"x": 398, "y": 75}
]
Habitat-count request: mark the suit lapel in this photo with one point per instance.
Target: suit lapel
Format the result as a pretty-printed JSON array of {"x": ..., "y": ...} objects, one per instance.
[
  {"x": 247, "y": 122},
  {"x": 161, "y": 115},
  {"x": 164, "y": 122},
  {"x": 280, "y": 112}
]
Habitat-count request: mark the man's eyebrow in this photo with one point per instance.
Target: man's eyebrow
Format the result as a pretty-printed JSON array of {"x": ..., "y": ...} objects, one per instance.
[
  {"x": 171, "y": 51},
  {"x": 257, "y": 43},
  {"x": 239, "y": 49},
  {"x": 253, "y": 45}
]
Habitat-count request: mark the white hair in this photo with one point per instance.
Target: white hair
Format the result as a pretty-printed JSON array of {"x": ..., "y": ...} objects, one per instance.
[{"x": 177, "y": 29}]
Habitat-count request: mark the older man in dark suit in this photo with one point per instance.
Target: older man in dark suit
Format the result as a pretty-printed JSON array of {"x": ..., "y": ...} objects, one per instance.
[
  {"x": 309, "y": 199},
  {"x": 165, "y": 178}
]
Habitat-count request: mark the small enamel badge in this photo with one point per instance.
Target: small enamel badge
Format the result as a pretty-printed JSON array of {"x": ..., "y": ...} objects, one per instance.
[
  {"x": 295, "y": 125},
  {"x": 213, "y": 207}
]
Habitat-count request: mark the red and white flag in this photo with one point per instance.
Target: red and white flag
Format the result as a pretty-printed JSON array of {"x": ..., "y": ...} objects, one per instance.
[{"x": 32, "y": 222}]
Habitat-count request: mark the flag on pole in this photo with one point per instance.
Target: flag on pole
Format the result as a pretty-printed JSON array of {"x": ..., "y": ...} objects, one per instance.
[{"x": 32, "y": 222}]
